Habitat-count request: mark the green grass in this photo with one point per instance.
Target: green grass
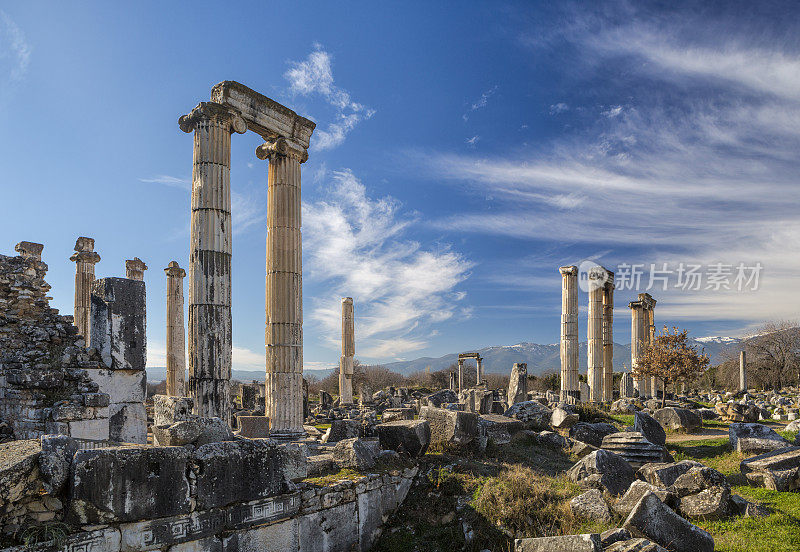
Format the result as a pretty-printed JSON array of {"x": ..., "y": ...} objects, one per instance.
[
  {"x": 778, "y": 532},
  {"x": 623, "y": 420}
]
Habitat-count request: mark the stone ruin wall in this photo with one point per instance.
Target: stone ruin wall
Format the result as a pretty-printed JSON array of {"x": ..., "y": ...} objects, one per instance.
[
  {"x": 245, "y": 495},
  {"x": 44, "y": 384}
]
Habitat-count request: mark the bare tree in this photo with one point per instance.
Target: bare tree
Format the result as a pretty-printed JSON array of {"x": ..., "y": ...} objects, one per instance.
[{"x": 773, "y": 353}]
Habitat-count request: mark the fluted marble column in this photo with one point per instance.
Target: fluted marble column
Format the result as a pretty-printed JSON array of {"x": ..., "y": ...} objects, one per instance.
[
  {"x": 348, "y": 352},
  {"x": 569, "y": 333},
  {"x": 210, "y": 345},
  {"x": 85, "y": 258},
  {"x": 176, "y": 346},
  {"x": 284, "y": 288},
  {"x": 594, "y": 375},
  {"x": 641, "y": 335},
  {"x": 608, "y": 339},
  {"x": 479, "y": 370},
  {"x": 656, "y": 385},
  {"x": 460, "y": 375},
  {"x": 134, "y": 269}
]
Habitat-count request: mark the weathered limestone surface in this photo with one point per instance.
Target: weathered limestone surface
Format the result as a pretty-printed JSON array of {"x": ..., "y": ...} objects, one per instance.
[
  {"x": 743, "y": 371},
  {"x": 573, "y": 543},
  {"x": 118, "y": 328},
  {"x": 134, "y": 269},
  {"x": 176, "y": 340},
  {"x": 608, "y": 338},
  {"x": 44, "y": 385},
  {"x": 85, "y": 258},
  {"x": 284, "y": 287},
  {"x": 518, "y": 384},
  {"x": 210, "y": 346},
  {"x": 569, "y": 333},
  {"x": 348, "y": 352},
  {"x": 641, "y": 335},
  {"x": 596, "y": 371}
]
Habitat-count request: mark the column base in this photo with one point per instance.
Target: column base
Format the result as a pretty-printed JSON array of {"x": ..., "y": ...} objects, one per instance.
[{"x": 286, "y": 436}]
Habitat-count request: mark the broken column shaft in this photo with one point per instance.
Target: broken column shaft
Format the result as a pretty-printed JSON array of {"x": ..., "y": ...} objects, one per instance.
[
  {"x": 176, "y": 345},
  {"x": 85, "y": 258},
  {"x": 348, "y": 352}
]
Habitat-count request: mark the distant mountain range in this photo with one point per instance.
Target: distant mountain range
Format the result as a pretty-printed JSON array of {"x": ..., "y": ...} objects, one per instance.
[
  {"x": 500, "y": 359},
  {"x": 545, "y": 358}
]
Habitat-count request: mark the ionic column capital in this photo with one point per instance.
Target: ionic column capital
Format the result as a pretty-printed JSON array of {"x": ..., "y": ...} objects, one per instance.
[
  {"x": 85, "y": 257},
  {"x": 568, "y": 270},
  {"x": 213, "y": 111},
  {"x": 282, "y": 147},
  {"x": 174, "y": 270}
]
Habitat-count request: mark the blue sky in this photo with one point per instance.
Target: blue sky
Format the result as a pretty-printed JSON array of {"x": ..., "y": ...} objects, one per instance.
[{"x": 462, "y": 153}]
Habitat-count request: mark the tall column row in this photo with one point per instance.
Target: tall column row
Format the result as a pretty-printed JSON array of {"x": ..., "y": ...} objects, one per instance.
[
  {"x": 284, "y": 288},
  {"x": 210, "y": 345},
  {"x": 569, "y": 333}
]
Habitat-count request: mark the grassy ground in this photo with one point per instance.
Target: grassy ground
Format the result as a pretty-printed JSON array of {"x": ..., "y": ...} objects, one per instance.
[
  {"x": 778, "y": 532},
  {"x": 506, "y": 492}
]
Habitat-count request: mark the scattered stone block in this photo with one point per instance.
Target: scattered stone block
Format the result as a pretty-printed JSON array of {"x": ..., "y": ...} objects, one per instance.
[
  {"x": 709, "y": 504},
  {"x": 663, "y": 475},
  {"x": 445, "y": 396},
  {"x": 654, "y": 520},
  {"x": 55, "y": 461},
  {"x": 393, "y": 414},
  {"x": 755, "y": 438},
  {"x": 573, "y": 543},
  {"x": 498, "y": 428},
  {"x": 680, "y": 419},
  {"x": 778, "y": 470},
  {"x": 449, "y": 426},
  {"x": 607, "y": 538},
  {"x": 518, "y": 384},
  {"x": 534, "y": 414},
  {"x": 603, "y": 468},
  {"x": 635, "y": 545},
  {"x": 591, "y": 433},
  {"x": 342, "y": 429},
  {"x": 650, "y": 428},
  {"x": 590, "y": 505},
  {"x": 353, "y": 454},
  {"x": 625, "y": 505},
  {"x": 410, "y": 437},
  {"x": 178, "y": 434},
  {"x": 168, "y": 410},
  {"x": 563, "y": 419}
]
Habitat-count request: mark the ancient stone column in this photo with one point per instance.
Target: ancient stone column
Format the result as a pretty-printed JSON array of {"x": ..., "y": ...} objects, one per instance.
[
  {"x": 348, "y": 351},
  {"x": 176, "y": 346},
  {"x": 453, "y": 381},
  {"x": 626, "y": 390},
  {"x": 518, "y": 384},
  {"x": 85, "y": 258},
  {"x": 742, "y": 371},
  {"x": 210, "y": 345},
  {"x": 641, "y": 318},
  {"x": 595, "y": 373},
  {"x": 479, "y": 369},
  {"x": 656, "y": 385},
  {"x": 608, "y": 338},
  {"x": 569, "y": 333},
  {"x": 460, "y": 374},
  {"x": 134, "y": 269},
  {"x": 284, "y": 285}
]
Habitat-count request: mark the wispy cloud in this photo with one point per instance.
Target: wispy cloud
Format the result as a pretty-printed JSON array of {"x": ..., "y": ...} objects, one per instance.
[
  {"x": 480, "y": 103},
  {"x": 560, "y": 107},
  {"x": 248, "y": 207},
  {"x": 355, "y": 246},
  {"x": 15, "y": 55},
  {"x": 175, "y": 182},
  {"x": 315, "y": 76},
  {"x": 472, "y": 141},
  {"x": 700, "y": 166}
]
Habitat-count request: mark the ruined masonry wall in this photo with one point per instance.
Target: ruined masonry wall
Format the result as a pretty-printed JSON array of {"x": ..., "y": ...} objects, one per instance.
[
  {"x": 44, "y": 386},
  {"x": 236, "y": 496}
]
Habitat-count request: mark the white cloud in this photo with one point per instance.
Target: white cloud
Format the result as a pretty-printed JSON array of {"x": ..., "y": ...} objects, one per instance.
[
  {"x": 355, "y": 246},
  {"x": 245, "y": 359},
  {"x": 480, "y": 103},
  {"x": 702, "y": 171},
  {"x": 15, "y": 53},
  {"x": 560, "y": 107},
  {"x": 315, "y": 76},
  {"x": 472, "y": 141},
  {"x": 166, "y": 180}
]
